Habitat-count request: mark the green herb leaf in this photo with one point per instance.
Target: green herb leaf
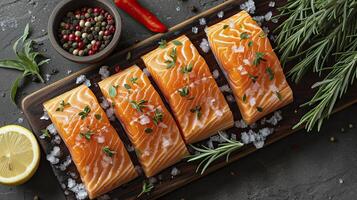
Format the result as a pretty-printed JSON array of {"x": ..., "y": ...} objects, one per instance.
[
  {"x": 147, "y": 187},
  {"x": 108, "y": 152},
  {"x": 127, "y": 86},
  {"x": 128, "y": 55},
  {"x": 197, "y": 110},
  {"x": 187, "y": 69},
  {"x": 225, "y": 26},
  {"x": 138, "y": 105},
  {"x": 270, "y": 72},
  {"x": 171, "y": 63},
  {"x": 87, "y": 135},
  {"x": 12, "y": 64},
  {"x": 244, "y": 98},
  {"x": 244, "y": 35},
  {"x": 112, "y": 91},
  {"x": 278, "y": 95},
  {"x": 163, "y": 44},
  {"x": 184, "y": 91},
  {"x": 259, "y": 56},
  {"x": 134, "y": 80},
  {"x": 62, "y": 106},
  {"x": 177, "y": 43},
  {"x": 158, "y": 116},
  {"x": 14, "y": 88},
  {"x": 252, "y": 77},
  {"x": 46, "y": 133},
  {"x": 250, "y": 43},
  {"x": 207, "y": 156},
  {"x": 98, "y": 116},
  {"x": 148, "y": 130},
  {"x": 83, "y": 114},
  {"x": 259, "y": 109},
  {"x": 262, "y": 35}
]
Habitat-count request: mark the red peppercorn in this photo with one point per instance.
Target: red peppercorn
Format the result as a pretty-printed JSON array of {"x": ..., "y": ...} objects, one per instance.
[
  {"x": 106, "y": 32},
  {"x": 78, "y": 28},
  {"x": 71, "y": 37},
  {"x": 94, "y": 48},
  {"x": 66, "y": 26},
  {"x": 96, "y": 10},
  {"x": 91, "y": 52},
  {"x": 97, "y": 43},
  {"x": 112, "y": 29},
  {"x": 117, "y": 68},
  {"x": 109, "y": 17},
  {"x": 77, "y": 38},
  {"x": 65, "y": 37},
  {"x": 80, "y": 45}
]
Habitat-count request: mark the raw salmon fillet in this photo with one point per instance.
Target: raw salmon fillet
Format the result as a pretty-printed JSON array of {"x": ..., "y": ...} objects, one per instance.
[
  {"x": 186, "y": 82},
  {"x": 98, "y": 153},
  {"x": 252, "y": 68},
  {"x": 149, "y": 125}
]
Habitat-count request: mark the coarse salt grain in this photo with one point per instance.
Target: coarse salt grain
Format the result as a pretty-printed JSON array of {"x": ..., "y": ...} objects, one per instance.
[
  {"x": 100, "y": 139},
  {"x": 240, "y": 124},
  {"x": 110, "y": 113},
  {"x": 87, "y": 83},
  {"x": 104, "y": 104},
  {"x": 63, "y": 166},
  {"x": 236, "y": 49},
  {"x": 268, "y": 16},
  {"x": 204, "y": 45},
  {"x": 220, "y": 14},
  {"x": 143, "y": 119},
  {"x": 210, "y": 144},
  {"x": 248, "y": 6},
  {"x": 272, "y": 4},
  {"x": 56, "y": 139},
  {"x": 52, "y": 129},
  {"x": 252, "y": 101},
  {"x": 215, "y": 74},
  {"x": 80, "y": 79},
  {"x": 230, "y": 98},
  {"x": 194, "y": 30},
  {"x": 44, "y": 116},
  {"x": 246, "y": 62},
  {"x": 52, "y": 157},
  {"x": 225, "y": 88},
  {"x": 175, "y": 171},
  {"x": 202, "y": 21},
  {"x": 104, "y": 72}
]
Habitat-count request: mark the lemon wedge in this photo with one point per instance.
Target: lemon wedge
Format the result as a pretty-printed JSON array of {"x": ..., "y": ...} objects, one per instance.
[{"x": 19, "y": 155}]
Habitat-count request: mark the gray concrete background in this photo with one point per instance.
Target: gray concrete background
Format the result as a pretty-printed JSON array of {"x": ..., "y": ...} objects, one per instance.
[{"x": 303, "y": 166}]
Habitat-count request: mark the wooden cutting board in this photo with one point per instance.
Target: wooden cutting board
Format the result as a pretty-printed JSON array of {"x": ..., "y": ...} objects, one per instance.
[{"x": 33, "y": 110}]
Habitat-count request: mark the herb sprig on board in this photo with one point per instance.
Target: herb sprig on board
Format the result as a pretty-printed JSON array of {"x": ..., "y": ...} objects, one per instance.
[
  {"x": 321, "y": 37},
  {"x": 147, "y": 187},
  {"x": 25, "y": 61},
  {"x": 207, "y": 156}
]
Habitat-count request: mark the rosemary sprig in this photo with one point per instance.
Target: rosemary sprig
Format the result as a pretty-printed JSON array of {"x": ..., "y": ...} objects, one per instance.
[
  {"x": 25, "y": 61},
  {"x": 147, "y": 187},
  {"x": 316, "y": 33},
  {"x": 207, "y": 156}
]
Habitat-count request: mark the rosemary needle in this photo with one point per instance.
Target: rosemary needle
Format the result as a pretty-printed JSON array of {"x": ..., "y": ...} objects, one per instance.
[
  {"x": 206, "y": 156},
  {"x": 147, "y": 187}
]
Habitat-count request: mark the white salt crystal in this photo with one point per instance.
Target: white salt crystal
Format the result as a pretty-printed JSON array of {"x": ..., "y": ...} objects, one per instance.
[
  {"x": 20, "y": 120},
  {"x": 130, "y": 148},
  {"x": 215, "y": 74},
  {"x": 231, "y": 23},
  {"x": 254, "y": 125},
  {"x": 225, "y": 88},
  {"x": 245, "y": 138},
  {"x": 57, "y": 139},
  {"x": 87, "y": 83},
  {"x": 240, "y": 124},
  {"x": 178, "y": 8},
  {"x": 44, "y": 116},
  {"x": 273, "y": 120},
  {"x": 233, "y": 137},
  {"x": 110, "y": 113},
  {"x": 275, "y": 20},
  {"x": 146, "y": 71},
  {"x": 47, "y": 77},
  {"x": 266, "y": 131},
  {"x": 63, "y": 166},
  {"x": 222, "y": 136},
  {"x": 69, "y": 71},
  {"x": 258, "y": 144},
  {"x": 104, "y": 72},
  {"x": 204, "y": 45},
  {"x": 52, "y": 129},
  {"x": 175, "y": 171},
  {"x": 143, "y": 119},
  {"x": 105, "y": 103},
  {"x": 248, "y": 6},
  {"x": 210, "y": 144},
  {"x": 266, "y": 30},
  {"x": 252, "y": 101},
  {"x": 202, "y": 21},
  {"x": 218, "y": 113},
  {"x": 71, "y": 183},
  {"x": 215, "y": 138},
  {"x": 246, "y": 62},
  {"x": 272, "y": 4},
  {"x": 80, "y": 79},
  {"x": 236, "y": 49},
  {"x": 194, "y": 30},
  {"x": 100, "y": 139},
  {"x": 165, "y": 142},
  {"x": 52, "y": 157},
  {"x": 268, "y": 16},
  {"x": 230, "y": 98},
  {"x": 220, "y": 14}
]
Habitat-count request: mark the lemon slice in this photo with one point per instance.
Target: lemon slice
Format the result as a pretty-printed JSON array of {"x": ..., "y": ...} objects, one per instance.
[{"x": 19, "y": 155}]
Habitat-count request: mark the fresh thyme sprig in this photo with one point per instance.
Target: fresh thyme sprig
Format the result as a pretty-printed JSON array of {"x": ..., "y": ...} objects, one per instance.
[
  {"x": 206, "y": 156},
  {"x": 314, "y": 34},
  {"x": 147, "y": 187},
  {"x": 25, "y": 61}
]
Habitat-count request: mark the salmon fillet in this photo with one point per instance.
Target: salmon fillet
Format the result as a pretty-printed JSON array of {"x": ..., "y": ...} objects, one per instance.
[
  {"x": 252, "y": 68},
  {"x": 98, "y": 153},
  {"x": 149, "y": 125},
  {"x": 186, "y": 82}
]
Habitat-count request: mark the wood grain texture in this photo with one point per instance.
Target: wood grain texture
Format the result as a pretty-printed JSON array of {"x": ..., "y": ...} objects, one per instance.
[{"x": 32, "y": 104}]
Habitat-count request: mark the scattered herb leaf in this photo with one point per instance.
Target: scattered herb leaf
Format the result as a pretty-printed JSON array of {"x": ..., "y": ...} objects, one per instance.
[
  {"x": 244, "y": 35},
  {"x": 85, "y": 112},
  {"x": 108, "y": 152},
  {"x": 187, "y": 69},
  {"x": 225, "y": 26},
  {"x": 127, "y": 86},
  {"x": 177, "y": 43},
  {"x": 128, "y": 56},
  {"x": 138, "y": 105},
  {"x": 197, "y": 110},
  {"x": 134, "y": 80},
  {"x": 148, "y": 130},
  {"x": 250, "y": 43},
  {"x": 244, "y": 98},
  {"x": 87, "y": 135},
  {"x": 147, "y": 187},
  {"x": 98, "y": 116},
  {"x": 184, "y": 91},
  {"x": 270, "y": 72},
  {"x": 259, "y": 109},
  {"x": 252, "y": 77},
  {"x": 173, "y": 55},
  {"x": 158, "y": 116},
  {"x": 62, "y": 106},
  {"x": 277, "y": 93},
  {"x": 112, "y": 91},
  {"x": 162, "y": 44},
  {"x": 46, "y": 133},
  {"x": 259, "y": 56}
]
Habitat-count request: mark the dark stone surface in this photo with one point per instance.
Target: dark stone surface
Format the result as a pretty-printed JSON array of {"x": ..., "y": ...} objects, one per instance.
[{"x": 303, "y": 166}]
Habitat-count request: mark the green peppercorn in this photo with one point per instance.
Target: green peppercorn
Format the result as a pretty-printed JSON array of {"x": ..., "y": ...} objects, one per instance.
[
  {"x": 84, "y": 35},
  {"x": 100, "y": 18},
  {"x": 104, "y": 24},
  {"x": 89, "y": 46},
  {"x": 65, "y": 45},
  {"x": 75, "y": 45},
  {"x": 71, "y": 50},
  {"x": 90, "y": 10},
  {"x": 77, "y": 33},
  {"x": 87, "y": 24},
  {"x": 90, "y": 37},
  {"x": 97, "y": 29}
]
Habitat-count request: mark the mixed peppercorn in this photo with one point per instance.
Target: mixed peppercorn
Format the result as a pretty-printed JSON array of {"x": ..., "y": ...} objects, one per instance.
[{"x": 86, "y": 31}]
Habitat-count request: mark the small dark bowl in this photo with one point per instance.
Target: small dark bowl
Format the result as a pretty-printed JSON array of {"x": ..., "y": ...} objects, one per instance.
[{"x": 70, "y": 5}]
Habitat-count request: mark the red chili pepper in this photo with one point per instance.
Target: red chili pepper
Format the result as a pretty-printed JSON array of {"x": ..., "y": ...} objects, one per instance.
[{"x": 142, "y": 15}]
